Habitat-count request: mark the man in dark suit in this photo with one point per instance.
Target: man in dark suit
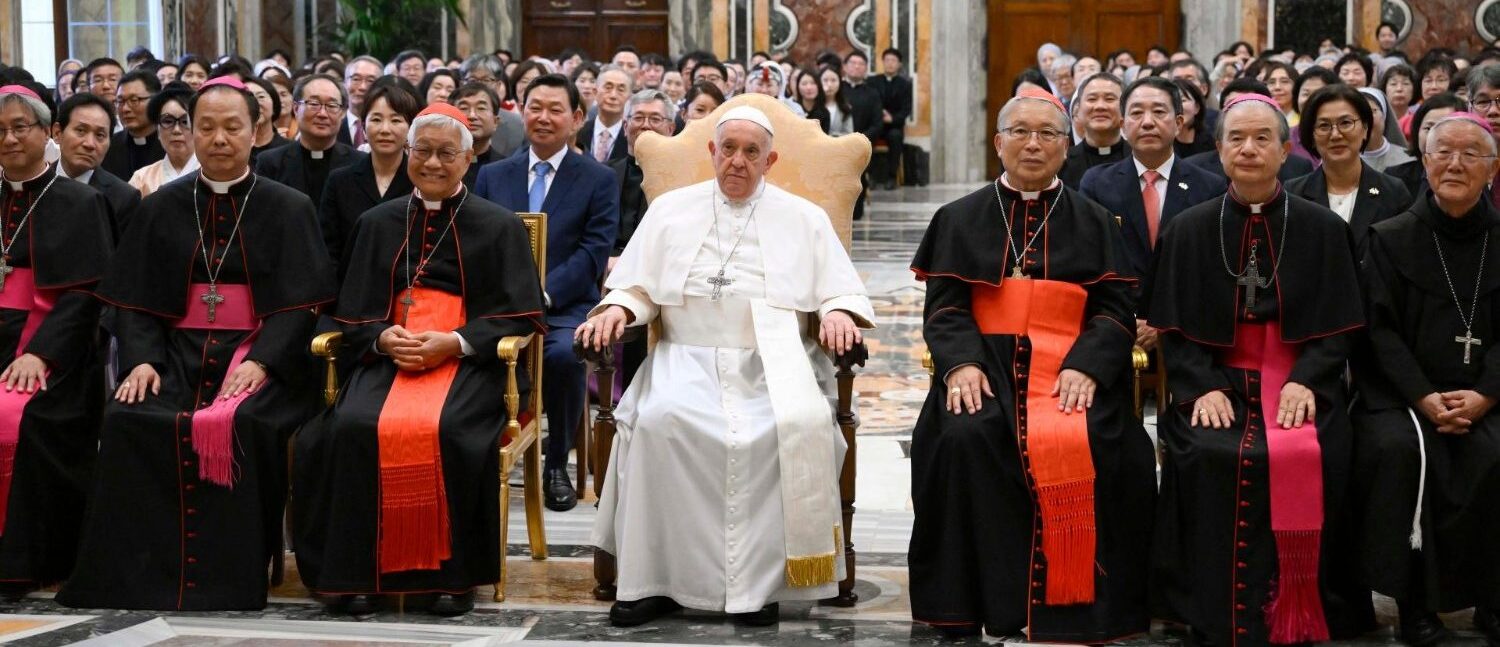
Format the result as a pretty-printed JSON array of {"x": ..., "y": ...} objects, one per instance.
[
  {"x": 81, "y": 131},
  {"x": 864, "y": 107},
  {"x": 1296, "y": 166},
  {"x": 895, "y": 99},
  {"x": 136, "y": 144},
  {"x": 359, "y": 75},
  {"x": 1096, "y": 108},
  {"x": 613, "y": 88},
  {"x": 305, "y": 164},
  {"x": 582, "y": 202},
  {"x": 647, "y": 110},
  {"x": 1146, "y": 190}
]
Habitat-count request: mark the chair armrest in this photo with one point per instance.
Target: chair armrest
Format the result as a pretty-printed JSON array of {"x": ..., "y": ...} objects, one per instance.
[
  {"x": 927, "y": 362},
  {"x": 326, "y": 345},
  {"x": 509, "y": 349},
  {"x": 855, "y": 356},
  {"x": 1139, "y": 358},
  {"x": 607, "y": 355}
]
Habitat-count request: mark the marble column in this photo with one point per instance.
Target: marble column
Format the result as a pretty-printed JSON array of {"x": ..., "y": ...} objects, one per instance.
[
  {"x": 1208, "y": 26},
  {"x": 960, "y": 138},
  {"x": 690, "y": 26},
  {"x": 492, "y": 25}
]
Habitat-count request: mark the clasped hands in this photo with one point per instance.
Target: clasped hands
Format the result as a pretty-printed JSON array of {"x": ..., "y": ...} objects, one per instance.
[
  {"x": 1297, "y": 406},
  {"x": 968, "y": 386},
  {"x": 837, "y": 331},
  {"x": 1454, "y": 412},
  {"x": 411, "y": 351}
]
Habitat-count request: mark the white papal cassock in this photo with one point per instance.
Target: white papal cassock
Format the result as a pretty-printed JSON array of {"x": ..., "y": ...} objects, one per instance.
[{"x": 693, "y": 505}]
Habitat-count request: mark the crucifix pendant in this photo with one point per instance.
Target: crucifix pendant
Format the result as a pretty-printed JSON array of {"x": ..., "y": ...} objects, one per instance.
[
  {"x": 1469, "y": 341},
  {"x": 1250, "y": 280},
  {"x": 5, "y": 270},
  {"x": 212, "y": 299},
  {"x": 719, "y": 282},
  {"x": 406, "y": 303},
  {"x": 1016, "y": 273}
]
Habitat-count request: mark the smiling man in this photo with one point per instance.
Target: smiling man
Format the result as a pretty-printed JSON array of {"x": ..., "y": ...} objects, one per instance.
[
  {"x": 1097, "y": 104},
  {"x": 304, "y": 164}
]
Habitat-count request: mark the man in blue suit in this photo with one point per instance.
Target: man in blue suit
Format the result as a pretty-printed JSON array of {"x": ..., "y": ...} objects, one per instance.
[
  {"x": 1151, "y": 186},
  {"x": 581, "y": 198}
]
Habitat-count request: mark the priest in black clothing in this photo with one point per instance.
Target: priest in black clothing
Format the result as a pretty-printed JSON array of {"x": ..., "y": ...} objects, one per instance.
[
  {"x": 1427, "y": 455},
  {"x": 646, "y": 111},
  {"x": 1256, "y": 298},
  {"x": 217, "y": 287},
  {"x": 54, "y": 246},
  {"x": 305, "y": 164},
  {"x": 1098, "y": 98},
  {"x": 136, "y": 145},
  {"x": 388, "y": 111},
  {"x": 396, "y": 487},
  {"x": 1032, "y": 479},
  {"x": 481, "y": 105}
]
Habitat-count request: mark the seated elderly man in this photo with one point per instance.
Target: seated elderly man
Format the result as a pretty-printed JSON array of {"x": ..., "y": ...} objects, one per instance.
[
  {"x": 396, "y": 484},
  {"x": 723, "y": 483}
]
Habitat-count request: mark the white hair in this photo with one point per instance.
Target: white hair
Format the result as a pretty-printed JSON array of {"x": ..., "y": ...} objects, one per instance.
[
  {"x": 38, "y": 109},
  {"x": 647, "y": 96},
  {"x": 465, "y": 137},
  {"x": 1010, "y": 106},
  {"x": 1064, "y": 61},
  {"x": 1485, "y": 135}
]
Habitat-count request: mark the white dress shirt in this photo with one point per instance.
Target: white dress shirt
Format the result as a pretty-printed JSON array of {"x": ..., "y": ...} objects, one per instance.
[
  {"x": 1161, "y": 183},
  {"x": 556, "y": 162}
]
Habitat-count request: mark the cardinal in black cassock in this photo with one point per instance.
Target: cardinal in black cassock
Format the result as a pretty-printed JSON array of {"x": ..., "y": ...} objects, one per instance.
[
  {"x": 368, "y": 520},
  {"x": 1257, "y": 304},
  {"x": 1427, "y": 485},
  {"x": 217, "y": 283},
  {"x": 55, "y": 238},
  {"x": 1027, "y": 516}
]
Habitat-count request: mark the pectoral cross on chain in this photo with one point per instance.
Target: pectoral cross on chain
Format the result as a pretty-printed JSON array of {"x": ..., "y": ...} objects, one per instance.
[
  {"x": 719, "y": 282},
  {"x": 212, "y": 299},
  {"x": 5, "y": 270},
  {"x": 1469, "y": 341},
  {"x": 1251, "y": 279},
  {"x": 406, "y": 304}
]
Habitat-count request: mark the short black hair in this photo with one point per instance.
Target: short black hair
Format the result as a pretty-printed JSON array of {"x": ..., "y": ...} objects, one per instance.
[
  {"x": 655, "y": 59},
  {"x": 410, "y": 54},
  {"x": 1307, "y": 130},
  {"x": 236, "y": 67},
  {"x": 432, "y": 76},
  {"x": 555, "y": 81},
  {"x": 1362, "y": 61},
  {"x": 250, "y": 101},
  {"x": 1399, "y": 69},
  {"x": 398, "y": 96},
  {"x": 1430, "y": 63},
  {"x": 180, "y": 92},
  {"x": 1387, "y": 25},
  {"x": 270, "y": 88},
  {"x": 761, "y": 53},
  {"x": 194, "y": 59},
  {"x": 1190, "y": 90},
  {"x": 628, "y": 48},
  {"x": 1434, "y": 102},
  {"x": 1029, "y": 75},
  {"x": 1174, "y": 94},
  {"x": 891, "y": 51},
  {"x": 472, "y": 88},
  {"x": 859, "y": 53},
  {"x": 139, "y": 53},
  {"x": 1327, "y": 76},
  {"x": 713, "y": 63},
  {"x": 104, "y": 61},
  {"x": 1246, "y": 85},
  {"x": 64, "y": 114},
  {"x": 153, "y": 84}
]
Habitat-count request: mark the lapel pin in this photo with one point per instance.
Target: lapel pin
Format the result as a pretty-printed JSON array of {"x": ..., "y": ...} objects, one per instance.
[
  {"x": 1374, "y": 191},
  {"x": 1182, "y": 185}
]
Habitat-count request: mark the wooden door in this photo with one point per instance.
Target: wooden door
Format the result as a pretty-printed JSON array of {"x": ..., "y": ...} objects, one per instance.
[
  {"x": 1081, "y": 27},
  {"x": 598, "y": 27}
]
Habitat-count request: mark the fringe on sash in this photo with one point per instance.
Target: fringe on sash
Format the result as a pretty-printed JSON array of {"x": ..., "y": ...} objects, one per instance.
[
  {"x": 413, "y": 518},
  {"x": 7, "y": 470},
  {"x": 213, "y": 441},
  {"x": 1295, "y": 613},
  {"x": 814, "y": 570},
  {"x": 1069, "y": 535}
]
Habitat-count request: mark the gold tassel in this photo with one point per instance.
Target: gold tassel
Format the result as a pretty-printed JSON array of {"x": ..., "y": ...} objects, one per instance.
[{"x": 813, "y": 570}]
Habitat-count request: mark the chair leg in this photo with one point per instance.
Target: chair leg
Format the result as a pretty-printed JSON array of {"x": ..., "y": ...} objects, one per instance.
[
  {"x": 532, "y": 486},
  {"x": 604, "y": 576},
  {"x": 848, "y": 424},
  {"x": 581, "y": 444},
  {"x": 504, "y": 531}
]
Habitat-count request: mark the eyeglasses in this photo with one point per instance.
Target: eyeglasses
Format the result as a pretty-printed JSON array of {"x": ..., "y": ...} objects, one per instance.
[
  {"x": 173, "y": 123},
  {"x": 19, "y": 130},
  {"x": 1046, "y": 135},
  {"x": 314, "y": 106},
  {"x": 1467, "y": 157},
  {"x": 654, "y": 121},
  {"x": 360, "y": 79},
  {"x": 444, "y": 155},
  {"x": 1483, "y": 105},
  {"x": 711, "y": 78},
  {"x": 134, "y": 102},
  {"x": 1345, "y": 126}
]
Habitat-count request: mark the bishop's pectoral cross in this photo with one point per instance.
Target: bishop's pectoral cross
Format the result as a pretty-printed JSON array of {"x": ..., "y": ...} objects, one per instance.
[
  {"x": 5, "y": 270},
  {"x": 406, "y": 303},
  {"x": 719, "y": 282},
  {"x": 212, "y": 299},
  {"x": 1251, "y": 279},
  {"x": 1469, "y": 341}
]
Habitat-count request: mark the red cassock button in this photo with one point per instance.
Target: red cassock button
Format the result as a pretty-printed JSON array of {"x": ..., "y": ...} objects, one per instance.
[
  {"x": 186, "y": 463},
  {"x": 1239, "y": 607},
  {"x": 192, "y": 511},
  {"x": 1242, "y": 565},
  {"x": 192, "y": 585},
  {"x": 1244, "y": 524},
  {"x": 1244, "y": 504},
  {"x": 1240, "y": 586},
  {"x": 1247, "y": 463},
  {"x": 192, "y": 535},
  {"x": 192, "y": 560},
  {"x": 1245, "y": 483},
  {"x": 1242, "y": 631},
  {"x": 1243, "y": 545}
]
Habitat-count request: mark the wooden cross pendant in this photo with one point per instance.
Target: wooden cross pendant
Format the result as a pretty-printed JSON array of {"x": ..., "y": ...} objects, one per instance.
[
  {"x": 212, "y": 299},
  {"x": 719, "y": 282},
  {"x": 1250, "y": 280},
  {"x": 1469, "y": 341}
]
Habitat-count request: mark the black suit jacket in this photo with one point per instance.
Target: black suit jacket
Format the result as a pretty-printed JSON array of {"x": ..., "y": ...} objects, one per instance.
[
  {"x": 345, "y": 136},
  {"x": 121, "y": 198},
  {"x": 633, "y": 202},
  {"x": 865, "y": 107},
  {"x": 1380, "y": 196},
  {"x": 352, "y": 191},
  {"x": 619, "y": 149},
  {"x": 895, "y": 96},
  {"x": 285, "y": 166},
  {"x": 1116, "y": 187},
  {"x": 1296, "y": 166},
  {"x": 488, "y": 157}
]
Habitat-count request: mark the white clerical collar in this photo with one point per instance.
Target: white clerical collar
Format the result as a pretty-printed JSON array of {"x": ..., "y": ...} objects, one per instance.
[
  {"x": 139, "y": 141},
  {"x": 221, "y": 188},
  {"x": 1165, "y": 169},
  {"x": 17, "y": 185},
  {"x": 1027, "y": 195},
  {"x": 724, "y": 199},
  {"x": 556, "y": 160},
  {"x": 434, "y": 205}
]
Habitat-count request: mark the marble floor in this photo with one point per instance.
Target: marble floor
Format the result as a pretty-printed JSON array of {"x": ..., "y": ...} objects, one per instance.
[{"x": 550, "y": 602}]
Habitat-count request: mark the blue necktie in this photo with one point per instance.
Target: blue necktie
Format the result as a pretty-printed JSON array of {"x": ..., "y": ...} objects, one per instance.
[{"x": 539, "y": 187}]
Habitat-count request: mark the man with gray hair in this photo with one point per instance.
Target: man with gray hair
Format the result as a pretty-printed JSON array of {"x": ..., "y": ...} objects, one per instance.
[
  {"x": 646, "y": 111},
  {"x": 601, "y": 136},
  {"x": 1028, "y": 450},
  {"x": 736, "y": 392},
  {"x": 483, "y": 68},
  {"x": 1483, "y": 83},
  {"x": 434, "y": 282},
  {"x": 359, "y": 75}
]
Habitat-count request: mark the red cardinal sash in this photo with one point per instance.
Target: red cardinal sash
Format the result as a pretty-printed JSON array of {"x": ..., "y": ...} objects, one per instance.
[
  {"x": 20, "y": 293},
  {"x": 1049, "y": 315},
  {"x": 213, "y": 425},
  {"x": 1295, "y": 614},
  {"x": 413, "y": 499}
]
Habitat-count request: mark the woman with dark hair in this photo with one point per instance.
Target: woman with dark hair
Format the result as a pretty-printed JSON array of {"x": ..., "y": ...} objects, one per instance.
[
  {"x": 521, "y": 78},
  {"x": 1031, "y": 77},
  {"x": 438, "y": 85},
  {"x": 1311, "y": 80},
  {"x": 1336, "y": 127},
  {"x": 1355, "y": 70},
  {"x": 1281, "y": 79},
  {"x": 811, "y": 97},
  {"x": 1399, "y": 83},
  {"x": 355, "y": 188},
  {"x": 585, "y": 77},
  {"x": 1242, "y": 49},
  {"x": 702, "y": 98},
  {"x": 840, "y": 111},
  {"x": 1193, "y": 137},
  {"x": 286, "y": 125},
  {"x": 266, "y": 137},
  {"x": 168, "y": 109},
  {"x": 193, "y": 70},
  {"x": 1435, "y": 74},
  {"x": 1413, "y": 174}
]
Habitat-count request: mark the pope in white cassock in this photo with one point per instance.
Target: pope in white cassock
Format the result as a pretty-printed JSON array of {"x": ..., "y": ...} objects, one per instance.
[{"x": 722, "y": 489}]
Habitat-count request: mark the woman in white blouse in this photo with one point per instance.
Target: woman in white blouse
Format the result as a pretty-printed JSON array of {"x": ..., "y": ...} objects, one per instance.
[{"x": 168, "y": 110}]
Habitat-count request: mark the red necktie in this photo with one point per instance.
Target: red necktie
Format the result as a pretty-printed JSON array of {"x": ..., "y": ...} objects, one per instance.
[
  {"x": 359, "y": 134},
  {"x": 1152, "y": 201}
]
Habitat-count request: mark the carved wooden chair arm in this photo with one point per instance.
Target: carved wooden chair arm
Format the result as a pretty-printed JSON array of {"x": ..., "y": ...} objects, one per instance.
[
  {"x": 1139, "y": 358},
  {"x": 326, "y": 346},
  {"x": 606, "y": 357},
  {"x": 855, "y": 356}
]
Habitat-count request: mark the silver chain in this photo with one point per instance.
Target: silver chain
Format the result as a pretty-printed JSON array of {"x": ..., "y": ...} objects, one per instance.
[
  {"x": 410, "y": 223},
  {"x": 215, "y": 269},
  {"x": 1280, "y": 250},
  {"x": 719, "y": 243},
  {"x": 6, "y": 245},
  {"x": 1468, "y": 321},
  {"x": 1010, "y": 237}
]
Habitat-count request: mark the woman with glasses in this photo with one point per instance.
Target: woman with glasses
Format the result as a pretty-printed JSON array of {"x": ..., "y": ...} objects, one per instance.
[
  {"x": 1336, "y": 125},
  {"x": 376, "y": 178},
  {"x": 1413, "y": 174},
  {"x": 169, "y": 111}
]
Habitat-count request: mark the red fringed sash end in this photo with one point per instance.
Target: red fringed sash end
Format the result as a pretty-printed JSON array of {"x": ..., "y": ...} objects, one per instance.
[
  {"x": 7, "y": 470},
  {"x": 213, "y": 441},
  {"x": 1069, "y": 535},
  {"x": 1295, "y": 614},
  {"x": 413, "y": 518}
]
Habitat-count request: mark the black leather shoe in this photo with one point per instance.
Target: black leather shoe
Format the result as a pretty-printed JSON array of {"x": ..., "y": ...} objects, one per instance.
[
  {"x": 452, "y": 604},
  {"x": 632, "y": 613},
  {"x": 1421, "y": 628},
  {"x": 358, "y": 605},
  {"x": 559, "y": 488},
  {"x": 957, "y": 631},
  {"x": 767, "y": 616},
  {"x": 1487, "y": 621}
]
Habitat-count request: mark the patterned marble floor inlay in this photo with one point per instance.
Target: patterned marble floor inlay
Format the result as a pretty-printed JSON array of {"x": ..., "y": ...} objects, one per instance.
[{"x": 551, "y": 602}]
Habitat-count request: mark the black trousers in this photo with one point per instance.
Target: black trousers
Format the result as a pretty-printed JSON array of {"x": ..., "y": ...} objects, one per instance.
[{"x": 894, "y": 135}]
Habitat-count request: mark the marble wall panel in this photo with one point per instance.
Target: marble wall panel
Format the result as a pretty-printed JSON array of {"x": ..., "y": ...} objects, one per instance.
[
  {"x": 1443, "y": 23},
  {"x": 200, "y": 27},
  {"x": 821, "y": 24}
]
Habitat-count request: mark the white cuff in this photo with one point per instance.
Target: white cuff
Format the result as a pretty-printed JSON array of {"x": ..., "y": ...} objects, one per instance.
[
  {"x": 465, "y": 349},
  {"x": 631, "y": 299},
  {"x": 857, "y": 306}
]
